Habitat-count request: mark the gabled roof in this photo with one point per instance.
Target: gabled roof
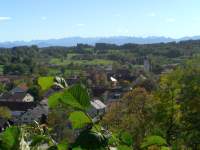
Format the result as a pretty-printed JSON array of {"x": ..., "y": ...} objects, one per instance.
[
  {"x": 97, "y": 104},
  {"x": 18, "y": 106},
  {"x": 113, "y": 79},
  {"x": 19, "y": 88},
  {"x": 16, "y": 97},
  {"x": 23, "y": 87}
]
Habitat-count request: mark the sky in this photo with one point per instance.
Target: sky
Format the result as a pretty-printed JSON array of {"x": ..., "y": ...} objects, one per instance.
[{"x": 49, "y": 19}]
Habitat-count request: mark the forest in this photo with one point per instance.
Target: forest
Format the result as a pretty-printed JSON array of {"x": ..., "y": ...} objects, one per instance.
[{"x": 26, "y": 60}]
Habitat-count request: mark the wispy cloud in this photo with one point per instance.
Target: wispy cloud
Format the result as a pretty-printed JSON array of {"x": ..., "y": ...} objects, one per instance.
[
  {"x": 3, "y": 18},
  {"x": 151, "y": 14},
  {"x": 44, "y": 18},
  {"x": 80, "y": 24},
  {"x": 170, "y": 20}
]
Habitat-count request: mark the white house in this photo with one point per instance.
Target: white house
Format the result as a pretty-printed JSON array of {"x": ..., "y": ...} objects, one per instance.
[
  {"x": 98, "y": 108},
  {"x": 17, "y": 97}
]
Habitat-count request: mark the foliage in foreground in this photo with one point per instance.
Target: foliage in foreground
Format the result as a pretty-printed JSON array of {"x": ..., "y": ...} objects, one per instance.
[{"x": 75, "y": 100}]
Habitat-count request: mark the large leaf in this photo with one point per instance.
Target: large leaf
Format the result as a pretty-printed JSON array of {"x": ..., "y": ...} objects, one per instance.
[
  {"x": 113, "y": 140},
  {"x": 64, "y": 97},
  {"x": 126, "y": 138},
  {"x": 153, "y": 140},
  {"x": 81, "y": 95},
  {"x": 91, "y": 140},
  {"x": 62, "y": 145},
  {"x": 76, "y": 97},
  {"x": 46, "y": 82},
  {"x": 55, "y": 99},
  {"x": 39, "y": 139},
  {"x": 79, "y": 119},
  {"x": 10, "y": 138},
  {"x": 69, "y": 99},
  {"x": 165, "y": 148},
  {"x": 124, "y": 147}
]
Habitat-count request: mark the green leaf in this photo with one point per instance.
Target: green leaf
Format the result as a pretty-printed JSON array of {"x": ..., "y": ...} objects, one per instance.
[
  {"x": 54, "y": 147},
  {"x": 39, "y": 139},
  {"x": 79, "y": 119},
  {"x": 69, "y": 99},
  {"x": 55, "y": 99},
  {"x": 124, "y": 147},
  {"x": 76, "y": 96},
  {"x": 10, "y": 138},
  {"x": 153, "y": 140},
  {"x": 91, "y": 140},
  {"x": 165, "y": 148},
  {"x": 45, "y": 82},
  {"x": 80, "y": 93},
  {"x": 62, "y": 146},
  {"x": 126, "y": 138},
  {"x": 63, "y": 97},
  {"x": 113, "y": 140}
]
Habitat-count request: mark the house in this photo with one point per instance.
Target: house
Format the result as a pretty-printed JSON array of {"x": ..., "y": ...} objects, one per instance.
[
  {"x": 17, "y": 108},
  {"x": 98, "y": 108},
  {"x": 114, "y": 81},
  {"x": 18, "y": 102},
  {"x": 35, "y": 113},
  {"x": 22, "y": 88},
  {"x": 122, "y": 74},
  {"x": 114, "y": 94},
  {"x": 98, "y": 91},
  {"x": 17, "y": 97}
]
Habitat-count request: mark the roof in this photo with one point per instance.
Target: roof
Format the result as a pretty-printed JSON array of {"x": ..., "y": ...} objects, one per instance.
[
  {"x": 97, "y": 91},
  {"x": 20, "y": 88},
  {"x": 18, "y": 106},
  {"x": 16, "y": 97},
  {"x": 113, "y": 79},
  {"x": 23, "y": 86},
  {"x": 97, "y": 104}
]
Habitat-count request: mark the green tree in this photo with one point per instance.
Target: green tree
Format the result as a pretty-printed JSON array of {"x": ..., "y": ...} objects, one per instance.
[
  {"x": 135, "y": 115},
  {"x": 168, "y": 109},
  {"x": 5, "y": 113},
  {"x": 2, "y": 88},
  {"x": 190, "y": 103}
]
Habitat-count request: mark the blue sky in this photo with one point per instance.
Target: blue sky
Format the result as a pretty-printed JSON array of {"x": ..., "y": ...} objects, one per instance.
[{"x": 45, "y": 19}]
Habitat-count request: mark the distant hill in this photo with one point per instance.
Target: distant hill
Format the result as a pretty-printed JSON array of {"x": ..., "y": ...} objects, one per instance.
[{"x": 72, "y": 41}]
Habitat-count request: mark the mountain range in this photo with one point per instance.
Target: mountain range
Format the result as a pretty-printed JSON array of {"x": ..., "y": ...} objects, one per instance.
[{"x": 73, "y": 41}]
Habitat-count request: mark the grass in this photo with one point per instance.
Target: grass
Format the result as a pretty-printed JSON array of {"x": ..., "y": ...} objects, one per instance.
[
  {"x": 81, "y": 62},
  {"x": 57, "y": 72}
]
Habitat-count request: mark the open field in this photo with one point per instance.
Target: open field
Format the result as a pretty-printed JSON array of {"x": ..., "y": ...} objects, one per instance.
[{"x": 57, "y": 61}]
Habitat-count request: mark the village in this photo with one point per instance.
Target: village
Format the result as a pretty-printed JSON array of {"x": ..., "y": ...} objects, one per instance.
[{"x": 25, "y": 108}]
